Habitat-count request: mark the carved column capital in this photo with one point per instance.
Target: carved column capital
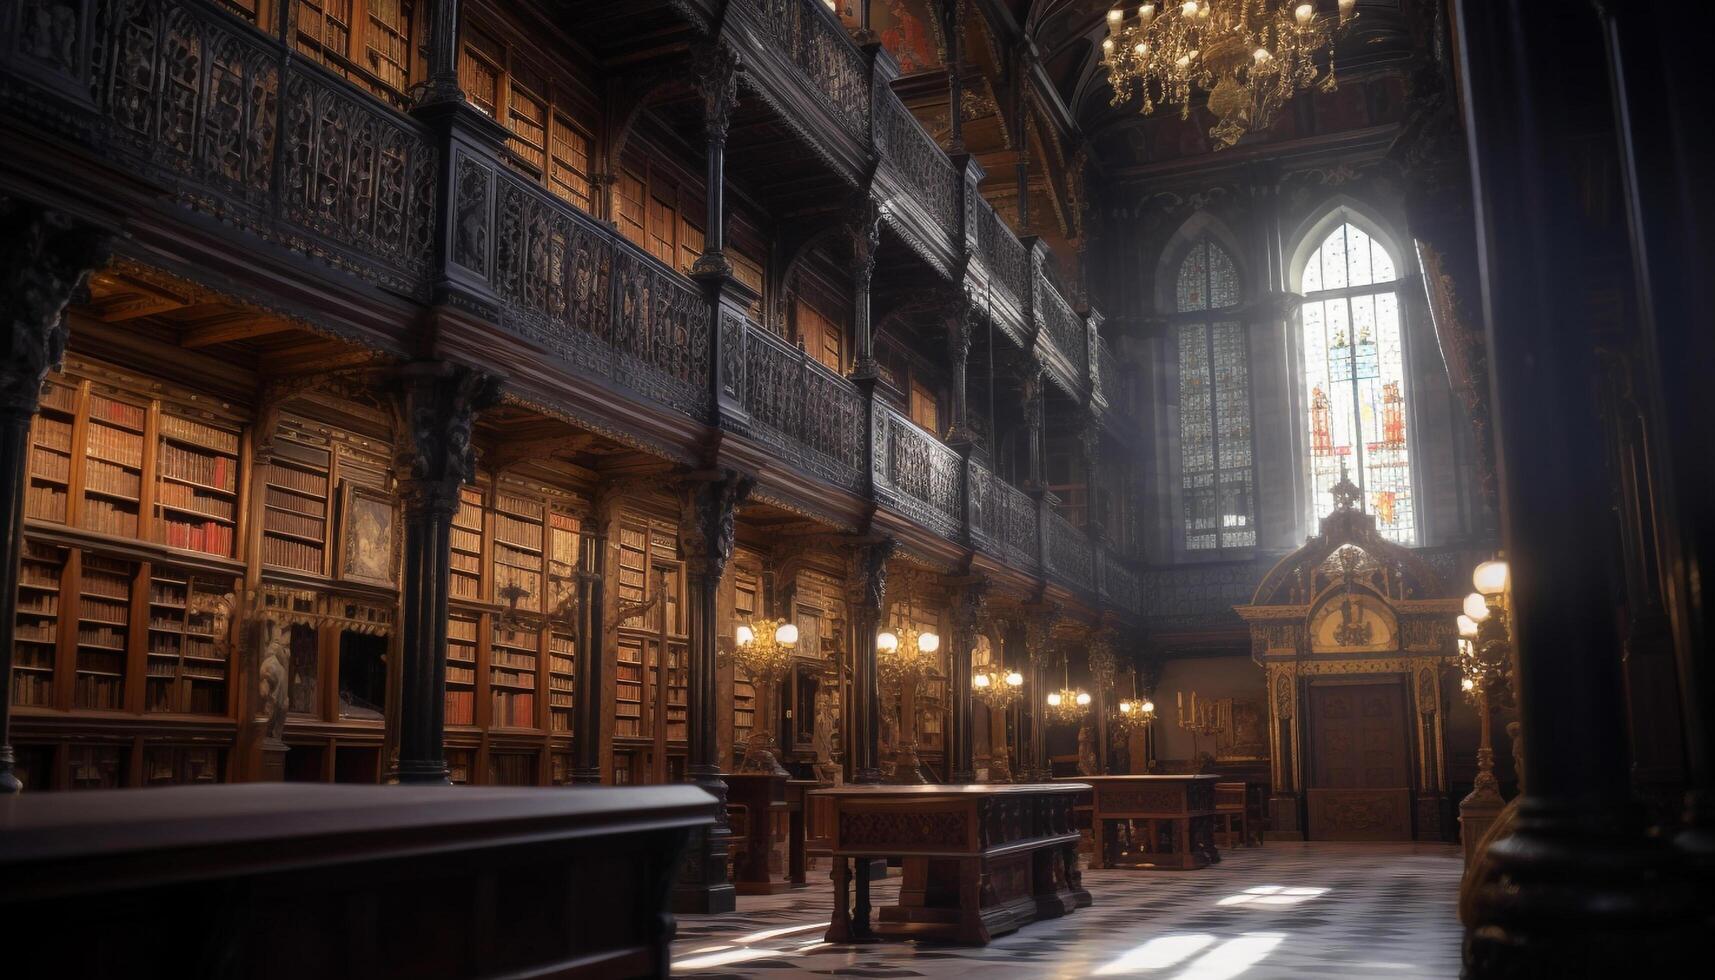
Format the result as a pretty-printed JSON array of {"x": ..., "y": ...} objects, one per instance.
[
  {"x": 716, "y": 67},
  {"x": 866, "y": 578},
  {"x": 45, "y": 257},
  {"x": 970, "y": 607},
  {"x": 435, "y": 404},
  {"x": 709, "y": 505},
  {"x": 863, "y": 228},
  {"x": 1039, "y": 624}
]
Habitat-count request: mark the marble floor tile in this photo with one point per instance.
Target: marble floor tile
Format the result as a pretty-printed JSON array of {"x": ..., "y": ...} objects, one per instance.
[{"x": 1280, "y": 911}]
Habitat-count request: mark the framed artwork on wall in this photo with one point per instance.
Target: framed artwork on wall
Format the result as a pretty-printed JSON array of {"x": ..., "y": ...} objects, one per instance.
[
  {"x": 1244, "y": 731},
  {"x": 367, "y": 547}
]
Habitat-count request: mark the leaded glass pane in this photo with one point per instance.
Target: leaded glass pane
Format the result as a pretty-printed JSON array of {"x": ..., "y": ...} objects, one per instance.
[
  {"x": 1193, "y": 287},
  {"x": 1223, "y": 279},
  {"x": 1354, "y": 383}
]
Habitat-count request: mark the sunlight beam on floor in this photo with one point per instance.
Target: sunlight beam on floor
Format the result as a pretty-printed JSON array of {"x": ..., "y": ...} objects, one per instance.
[
  {"x": 1157, "y": 954},
  {"x": 1232, "y": 957}
]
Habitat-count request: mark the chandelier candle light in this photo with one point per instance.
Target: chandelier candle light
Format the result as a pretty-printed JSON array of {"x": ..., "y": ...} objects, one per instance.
[
  {"x": 902, "y": 660},
  {"x": 764, "y": 651},
  {"x": 1134, "y": 713},
  {"x": 1068, "y": 705},
  {"x": 1250, "y": 56},
  {"x": 1485, "y": 667},
  {"x": 997, "y": 687}
]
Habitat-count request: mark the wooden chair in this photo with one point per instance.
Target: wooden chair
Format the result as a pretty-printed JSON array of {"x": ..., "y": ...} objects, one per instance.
[{"x": 1232, "y": 818}]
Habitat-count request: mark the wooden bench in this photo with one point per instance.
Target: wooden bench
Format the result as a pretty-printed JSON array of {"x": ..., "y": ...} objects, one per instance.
[
  {"x": 275, "y": 880},
  {"x": 978, "y": 861}
]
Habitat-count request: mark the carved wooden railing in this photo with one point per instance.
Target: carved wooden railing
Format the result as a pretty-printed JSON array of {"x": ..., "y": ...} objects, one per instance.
[
  {"x": 1004, "y": 255},
  {"x": 917, "y": 159},
  {"x": 1070, "y": 554},
  {"x": 188, "y": 96},
  {"x": 1120, "y": 585},
  {"x": 817, "y": 45},
  {"x": 917, "y": 474},
  {"x": 582, "y": 292},
  {"x": 1019, "y": 529},
  {"x": 1066, "y": 331},
  {"x": 810, "y": 414},
  {"x": 1108, "y": 374}
]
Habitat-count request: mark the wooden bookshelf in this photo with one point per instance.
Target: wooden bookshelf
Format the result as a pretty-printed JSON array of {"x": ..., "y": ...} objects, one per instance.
[
  {"x": 103, "y": 628},
  {"x": 461, "y": 670},
  {"x": 296, "y": 507},
  {"x": 49, "y": 487},
  {"x": 747, "y": 589},
  {"x": 466, "y": 549},
  {"x": 628, "y": 689},
  {"x": 196, "y": 494},
  {"x": 114, "y": 437},
  {"x": 41, "y": 575},
  {"x": 460, "y": 764},
  {"x": 95, "y": 767},
  {"x": 518, "y": 550},
  {"x": 170, "y": 765},
  {"x": 562, "y": 674},
  {"x": 187, "y": 661},
  {"x": 513, "y": 655}
]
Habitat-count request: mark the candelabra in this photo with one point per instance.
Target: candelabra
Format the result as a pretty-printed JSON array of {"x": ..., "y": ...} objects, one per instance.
[
  {"x": 1485, "y": 667},
  {"x": 1068, "y": 705},
  {"x": 997, "y": 687},
  {"x": 764, "y": 651},
  {"x": 1133, "y": 713},
  {"x": 1203, "y": 720},
  {"x": 902, "y": 660}
]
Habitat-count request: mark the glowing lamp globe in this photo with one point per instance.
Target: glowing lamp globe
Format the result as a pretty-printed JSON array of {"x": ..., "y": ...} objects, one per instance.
[
  {"x": 786, "y": 635},
  {"x": 1467, "y": 626},
  {"x": 1054, "y": 699},
  {"x": 1467, "y": 684},
  {"x": 980, "y": 680},
  {"x": 928, "y": 642},
  {"x": 886, "y": 641},
  {"x": 1015, "y": 679},
  {"x": 1149, "y": 707},
  {"x": 1492, "y": 577},
  {"x": 1476, "y": 607},
  {"x": 746, "y": 636},
  {"x": 1083, "y": 699}
]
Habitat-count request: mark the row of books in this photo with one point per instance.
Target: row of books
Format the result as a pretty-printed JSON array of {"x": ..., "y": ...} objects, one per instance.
[
  {"x": 461, "y": 653},
  {"x": 520, "y": 506},
  {"x": 282, "y": 553},
  {"x": 30, "y": 687},
  {"x": 52, "y": 433},
  {"x": 314, "y": 484},
  {"x": 45, "y": 502},
  {"x": 120, "y": 413},
  {"x": 514, "y": 709},
  {"x": 466, "y": 541},
  {"x": 41, "y": 603},
  {"x": 516, "y": 532},
  {"x": 46, "y": 464},
  {"x": 34, "y": 655},
  {"x": 58, "y": 397},
  {"x": 199, "y": 699},
  {"x": 203, "y": 671},
  {"x": 559, "y": 721},
  {"x": 281, "y": 500},
  {"x": 106, "y": 477},
  {"x": 115, "y": 445},
  {"x": 461, "y": 708},
  {"x": 100, "y": 636},
  {"x": 208, "y": 536},
  {"x": 465, "y": 587},
  {"x": 178, "y": 427},
  {"x": 99, "y": 609},
  {"x": 164, "y": 592},
  {"x": 108, "y": 517},
  {"x": 459, "y": 628},
  {"x": 36, "y": 632},
  {"x": 180, "y": 463},
  {"x": 557, "y": 682},
  {"x": 99, "y": 692},
  {"x": 286, "y": 522},
  {"x": 507, "y": 677},
  {"x": 505, "y": 554},
  {"x": 190, "y": 498},
  {"x": 101, "y": 661},
  {"x": 512, "y": 658},
  {"x": 461, "y": 675}
]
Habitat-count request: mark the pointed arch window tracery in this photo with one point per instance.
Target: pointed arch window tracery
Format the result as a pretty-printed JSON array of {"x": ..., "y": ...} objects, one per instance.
[{"x": 1216, "y": 468}]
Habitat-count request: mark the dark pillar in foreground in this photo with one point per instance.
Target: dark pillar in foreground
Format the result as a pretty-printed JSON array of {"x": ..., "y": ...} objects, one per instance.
[
  {"x": 969, "y": 611},
  {"x": 435, "y": 404},
  {"x": 586, "y": 741},
  {"x": 1577, "y": 889},
  {"x": 45, "y": 257},
  {"x": 1659, "y": 76},
  {"x": 709, "y": 508}
]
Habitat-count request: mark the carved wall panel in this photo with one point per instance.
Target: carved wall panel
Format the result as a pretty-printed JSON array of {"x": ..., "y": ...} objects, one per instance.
[
  {"x": 919, "y": 474},
  {"x": 797, "y": 405},
  {"x": 1069, "y": 551}
]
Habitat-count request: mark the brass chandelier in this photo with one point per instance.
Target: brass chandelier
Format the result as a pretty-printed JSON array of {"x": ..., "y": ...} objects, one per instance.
[{"x": 1250, "y": 56}]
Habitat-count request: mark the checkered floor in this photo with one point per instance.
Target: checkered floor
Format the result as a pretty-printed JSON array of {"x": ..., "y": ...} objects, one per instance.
[{"x": 1283, "y": 910}]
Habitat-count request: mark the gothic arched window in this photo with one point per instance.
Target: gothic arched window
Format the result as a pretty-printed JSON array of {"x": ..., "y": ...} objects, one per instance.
[
  {"x": 1215, "y": 468},
  {"x": 1354, "y": 381}
]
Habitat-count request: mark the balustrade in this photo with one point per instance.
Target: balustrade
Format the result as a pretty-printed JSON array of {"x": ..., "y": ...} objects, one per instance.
[
  {"x": 918, "y": 474},
  {"x": 817, "y": 45},
  {"x": 915, "y": 156},
  {"x": 1065, "y": 329},
  {"x": 1070, "y": 554},
  {"x": 1005, "y": 256},
  {"x": 795, "y": 404},
  {"x": 1108, "y": 374}
]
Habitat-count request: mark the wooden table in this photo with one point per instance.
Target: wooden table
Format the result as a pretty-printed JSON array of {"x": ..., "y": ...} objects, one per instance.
[
  {"x": 805, "y": 840},
  {"x": 294, "y": 880},
  {"x": 1176, "y": 814},
  {"x": 978, "y": 861},
  {"x": 763, "y": 797}
]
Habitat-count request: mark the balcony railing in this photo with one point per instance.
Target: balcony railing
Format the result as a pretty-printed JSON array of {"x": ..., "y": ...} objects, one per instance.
[
  {"x": 1070, "y": 554},
  {"x": 812, "y": 415},
  {"x": 1109, "y": 376},
  {"x": 268, "y": 148},
  {"x": 817, "y": 45}
]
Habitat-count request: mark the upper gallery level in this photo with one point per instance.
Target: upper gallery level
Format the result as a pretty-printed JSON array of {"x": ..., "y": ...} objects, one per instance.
[{"x": 882, "y": 332}]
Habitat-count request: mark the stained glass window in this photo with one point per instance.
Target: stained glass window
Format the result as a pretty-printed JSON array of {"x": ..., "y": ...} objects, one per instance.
[
  {"x": 1215, "y": 468},
  {"x": 1354, "y": 381}
]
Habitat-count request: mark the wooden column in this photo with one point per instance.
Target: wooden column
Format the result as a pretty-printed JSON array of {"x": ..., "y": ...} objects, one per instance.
[
  {"x": 434, "y": 404},
  {"x": 961, "y": 328},
  {"x": 709, "y": 502},
  {"x": 443, "y": 83},
  {"x": 1656, "y": 62},
  {"x": 969, "y": 610},
  {"x": 953, "y": 24},
  {"x": 45, "y": 257},
  {"x": 1577, "y": 888},
  {"x": 863, "y": 228},
  {"x": 591, "y": 655},
  {"x": 866, "y": 584},
  {"x": 1035, "y": 382}
]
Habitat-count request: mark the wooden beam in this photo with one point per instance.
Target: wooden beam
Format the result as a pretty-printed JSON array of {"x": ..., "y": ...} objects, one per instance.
[{"x": 235, "y": 326}]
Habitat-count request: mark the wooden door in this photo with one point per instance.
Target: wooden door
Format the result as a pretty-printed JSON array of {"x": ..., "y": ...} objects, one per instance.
[{"x": 1360, "y": 762}]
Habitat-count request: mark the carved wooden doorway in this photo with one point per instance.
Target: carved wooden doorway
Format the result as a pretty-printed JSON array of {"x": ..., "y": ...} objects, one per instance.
[{"x": 1360, "y": 761}]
